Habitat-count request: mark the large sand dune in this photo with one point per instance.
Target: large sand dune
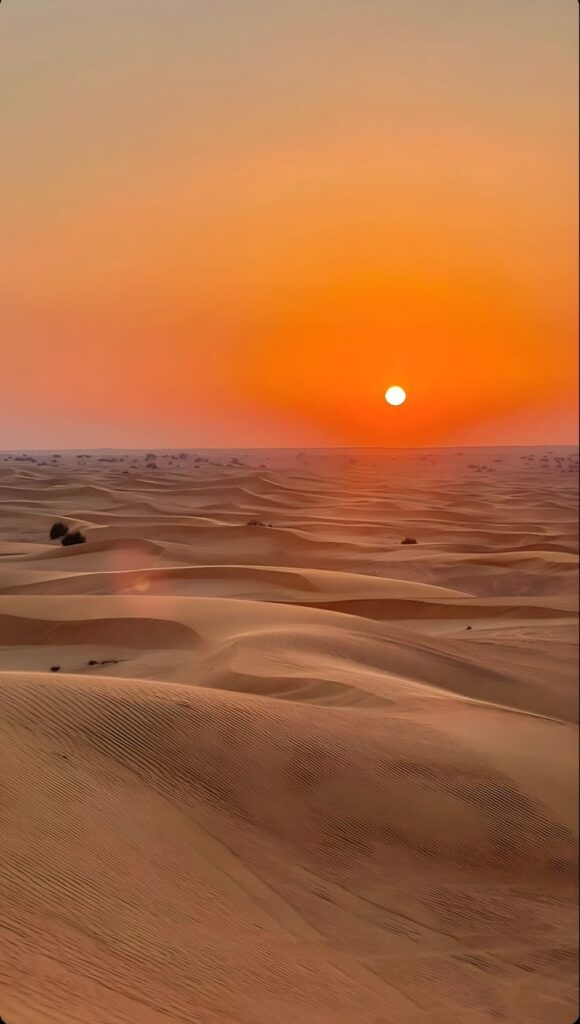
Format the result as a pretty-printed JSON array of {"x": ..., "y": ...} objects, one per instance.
[{"x": 289, "y": 768}]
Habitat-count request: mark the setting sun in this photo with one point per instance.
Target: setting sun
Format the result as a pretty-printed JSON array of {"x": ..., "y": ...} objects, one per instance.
[
  {"x": 313, "y": 661},
  {"x": 395, "y": 395}
]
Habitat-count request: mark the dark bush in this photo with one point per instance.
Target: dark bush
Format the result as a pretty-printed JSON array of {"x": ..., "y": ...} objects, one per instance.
[
  {"x": 76, "y": 537},
  {"x": 255, "y": 522},
  {"x": 409, "y": 540},
  {"x": 55, "y": 668},
  {"x": 58, "y": 530}
]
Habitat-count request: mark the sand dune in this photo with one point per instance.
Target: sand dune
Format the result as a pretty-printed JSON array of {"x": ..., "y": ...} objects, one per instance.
[
  {"x": 273, "y": 582},
  {"x": 295, "y": 771}
]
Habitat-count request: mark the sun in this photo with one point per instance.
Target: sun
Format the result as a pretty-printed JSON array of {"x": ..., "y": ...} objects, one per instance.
[{"x": 395, "y": 395}]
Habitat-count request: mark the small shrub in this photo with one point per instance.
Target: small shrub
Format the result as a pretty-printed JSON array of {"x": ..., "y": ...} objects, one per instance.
[
  {"x": 55, "y": 668},
  {"x": 408, "y": 540},
  {"x": 76, "y": 537},
  {"x": 58, "y": 530},
  {"x": 255, "y": 522}
]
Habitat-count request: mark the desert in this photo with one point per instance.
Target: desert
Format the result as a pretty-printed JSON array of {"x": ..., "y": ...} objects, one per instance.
[{"x": 263, "y": 761}]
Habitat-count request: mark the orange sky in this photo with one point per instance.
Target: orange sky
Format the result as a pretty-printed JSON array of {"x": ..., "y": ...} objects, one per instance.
[{"x": 226, "y": 224}]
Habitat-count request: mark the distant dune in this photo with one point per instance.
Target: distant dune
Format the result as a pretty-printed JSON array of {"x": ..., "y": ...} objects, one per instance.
[{"x": 263, "y": 762}]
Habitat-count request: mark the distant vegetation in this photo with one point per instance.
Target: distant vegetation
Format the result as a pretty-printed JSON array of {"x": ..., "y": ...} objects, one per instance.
[
  {"x": 58, "y": 530},
  {"x": 76, "y": 537},
  {"x": 408, "y": 540}
]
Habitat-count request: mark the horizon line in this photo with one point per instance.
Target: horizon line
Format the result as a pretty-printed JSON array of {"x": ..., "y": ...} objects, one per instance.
[{"x": 289, "y": 448}]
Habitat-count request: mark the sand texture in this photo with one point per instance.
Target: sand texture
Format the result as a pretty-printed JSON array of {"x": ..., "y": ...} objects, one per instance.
[{"x": 322, "y": 777}]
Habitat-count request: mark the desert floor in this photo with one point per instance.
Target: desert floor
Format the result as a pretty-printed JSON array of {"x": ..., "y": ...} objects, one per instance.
[{"x": 313, "y": 775}]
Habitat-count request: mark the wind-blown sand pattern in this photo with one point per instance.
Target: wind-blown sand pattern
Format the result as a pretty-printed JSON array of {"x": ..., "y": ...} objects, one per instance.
[{"x": 321, "y": 777}]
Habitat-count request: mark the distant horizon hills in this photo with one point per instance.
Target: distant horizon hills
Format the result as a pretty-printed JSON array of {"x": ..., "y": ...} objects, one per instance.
[{"x": 290, "y": 448}]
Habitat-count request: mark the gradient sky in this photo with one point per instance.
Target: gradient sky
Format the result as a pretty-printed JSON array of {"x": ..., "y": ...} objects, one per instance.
[{"x": 236, "y": 222}]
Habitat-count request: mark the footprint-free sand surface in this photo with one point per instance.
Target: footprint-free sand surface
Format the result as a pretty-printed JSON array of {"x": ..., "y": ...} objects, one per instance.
[{"x": 289, "y": 770}]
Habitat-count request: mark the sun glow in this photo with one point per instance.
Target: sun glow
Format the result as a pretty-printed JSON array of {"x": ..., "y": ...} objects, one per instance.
[{"x": 395, "y": 395}]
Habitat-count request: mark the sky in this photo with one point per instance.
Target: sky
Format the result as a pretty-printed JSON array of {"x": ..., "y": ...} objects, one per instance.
[{"x": 230, "y": 223}]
